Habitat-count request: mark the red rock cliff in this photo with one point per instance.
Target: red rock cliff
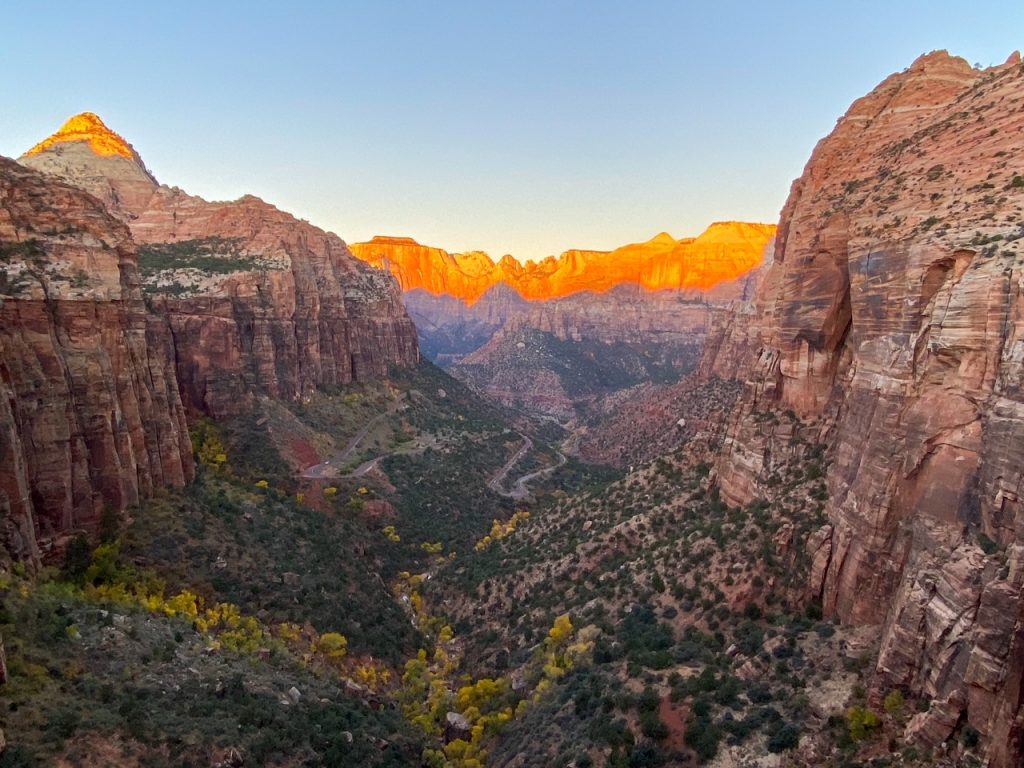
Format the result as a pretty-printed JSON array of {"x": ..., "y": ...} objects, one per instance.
[
  {"x": 255, "y": 300},
  {"x": 722, "y": 253},
  {"x": 291, "y": 311},
  {"x": 890, "y": 318},
  {"x": 90, "y": 414}
]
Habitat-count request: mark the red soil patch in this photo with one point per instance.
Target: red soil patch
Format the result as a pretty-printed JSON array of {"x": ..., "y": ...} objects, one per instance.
[
  {"x": 302, "y": 453},
  {"x": 674, "y": 716}
]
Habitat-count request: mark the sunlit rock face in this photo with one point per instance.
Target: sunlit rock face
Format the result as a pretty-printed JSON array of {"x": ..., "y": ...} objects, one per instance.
[
  {"x": 725, "y": 251},
  {"x": 90, "y": 414},
  {"x": 256, "y": 301},
  {"x": 891, "y": 318},
  {"x": 662, "y": 290},
  {"x": 87, "y": 127},
  {"x": 86, "y": 153}
]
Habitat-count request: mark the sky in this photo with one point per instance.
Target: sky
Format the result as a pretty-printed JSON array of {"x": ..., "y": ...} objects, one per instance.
[{"x": 515, "y": 127}]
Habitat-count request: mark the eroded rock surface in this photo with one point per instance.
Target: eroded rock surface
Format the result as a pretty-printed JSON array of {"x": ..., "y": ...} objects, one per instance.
[
  {"x": 90, "y": 414},
  {"x": 890, "y": 320},
  {"x": 254, "y": 300},
  {"x": 720, "y": 254}
]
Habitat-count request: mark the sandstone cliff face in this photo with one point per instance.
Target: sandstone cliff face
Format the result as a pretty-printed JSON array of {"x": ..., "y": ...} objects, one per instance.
[
  {"x": 86, "y": 153},
  {"x": 722, "y": 253},
  {"x": 449, "y": 328},
  {"x": 633, "y": 314},
  {"x": 284, "y": 310},
  {"x": 90, "y": 414},
  {"x": 890, "y": 321},
  {"x": 613, "y": 339},
  {"x": 254, "y": 302},
  {"x": 504, "y": 341}
]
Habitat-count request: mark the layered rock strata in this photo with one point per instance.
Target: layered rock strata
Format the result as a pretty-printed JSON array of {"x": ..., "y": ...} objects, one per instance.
[
  {"x": 255, "y": 301},
  {"x": 273, "y": 306},
  {"x": 108, "y": 341},
  {"x": 90, "y": 415},
  {"x": 890, "y": 320},
  {"x": 723, "y": 252}
]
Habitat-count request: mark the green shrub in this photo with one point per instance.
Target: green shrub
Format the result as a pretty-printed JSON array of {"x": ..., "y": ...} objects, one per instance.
[{"x": 786, "y": 737}]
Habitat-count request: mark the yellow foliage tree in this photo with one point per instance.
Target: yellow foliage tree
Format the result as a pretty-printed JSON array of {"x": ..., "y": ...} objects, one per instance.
[
  {"x": 560, "y": 631},
  {"x": 332, "y": 645}
]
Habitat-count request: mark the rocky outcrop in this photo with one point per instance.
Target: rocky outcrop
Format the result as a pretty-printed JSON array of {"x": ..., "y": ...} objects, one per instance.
[
  {"x": 90, "y": 415},
  {"x": 106, "y": 346},
  {"x": 561, "y": 358},
  {"x": 890, "y": 320},
  {"x": 723, "y": 252},
  {"x": 281, "y": 308},
  {"x": 449, "y": 328},
  {"x": 632, "y": 314},
  {"x": 86, "y": 153},
  {"x": 253, "y": 301},
  {"x": 663, "y": 290}
]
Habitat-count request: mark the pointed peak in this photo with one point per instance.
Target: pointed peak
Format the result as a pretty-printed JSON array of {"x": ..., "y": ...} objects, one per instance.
[
  {"x": 89, "y": 128},
  {"x": 508, "y": 261},
  {"x": 662, "y": 238}
]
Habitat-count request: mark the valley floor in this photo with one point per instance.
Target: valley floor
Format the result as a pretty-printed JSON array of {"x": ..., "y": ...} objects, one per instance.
[{"x": 402, "y": 574}]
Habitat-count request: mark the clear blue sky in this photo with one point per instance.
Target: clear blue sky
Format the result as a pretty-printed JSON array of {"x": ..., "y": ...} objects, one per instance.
[{"x": 522, "y": 127}]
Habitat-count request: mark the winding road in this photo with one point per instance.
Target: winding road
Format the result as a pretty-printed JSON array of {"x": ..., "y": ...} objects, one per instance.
[
  {"x": 519, "y": 491},
  {"x": 332, "y": 467},
  {"x": 519, "y": 488}
]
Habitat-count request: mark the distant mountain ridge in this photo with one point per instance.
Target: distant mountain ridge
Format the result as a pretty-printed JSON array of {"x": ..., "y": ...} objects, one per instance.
[{"x": 722, "y": 253}]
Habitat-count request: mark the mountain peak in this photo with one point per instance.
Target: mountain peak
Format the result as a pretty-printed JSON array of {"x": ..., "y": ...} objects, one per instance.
[
  {"x": 89, "y": 128},
  {"x": 662, "y": 238},
  {"x": 87, "y": 154}
]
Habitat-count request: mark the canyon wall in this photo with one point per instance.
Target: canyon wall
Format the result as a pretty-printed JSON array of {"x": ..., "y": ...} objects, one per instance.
[
  {"x": 255, "y": 301},
  {"x": 889, "y": 320},
  {"x": 634, "y": 314},
  {"x": 126, "y": 306},
  {"x": 270, "y": 304},
  {"x": 90, "y": 415},
  {"x": 722, "y": 253}
]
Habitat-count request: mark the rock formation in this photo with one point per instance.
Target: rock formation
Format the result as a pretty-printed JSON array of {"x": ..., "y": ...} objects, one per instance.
[
  {"x": 449, "y": 328},
  {"x": 106, "y": 346},
  {"x": 559, "y": 357},
  {"x": 499, "y": 326},
  {"x": 720, "y": 254},
  {"x": 256, "y": 301},
  {"x": 890, "y": 320},
  {"x": 87, "y": 154},
  {"x": 90, "y": 415}
]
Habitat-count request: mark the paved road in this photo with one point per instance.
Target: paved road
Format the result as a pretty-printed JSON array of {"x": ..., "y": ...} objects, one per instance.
[
  {"x": 519, "y": 488},
  {"x": 333, "y": 465},
  {"x": 499, "y": 477}
]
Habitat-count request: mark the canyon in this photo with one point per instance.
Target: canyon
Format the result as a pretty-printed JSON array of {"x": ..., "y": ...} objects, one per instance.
[
  {"x": 136, "y": 308},
  {"x": 775, "y": 473},
  {"x": 502, "y": 326}
]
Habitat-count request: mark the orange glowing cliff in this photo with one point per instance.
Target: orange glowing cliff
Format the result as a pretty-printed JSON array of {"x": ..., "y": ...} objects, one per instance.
[
  {"x": 89, "y": 128},
  {"x": 721, "y": 253}
]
